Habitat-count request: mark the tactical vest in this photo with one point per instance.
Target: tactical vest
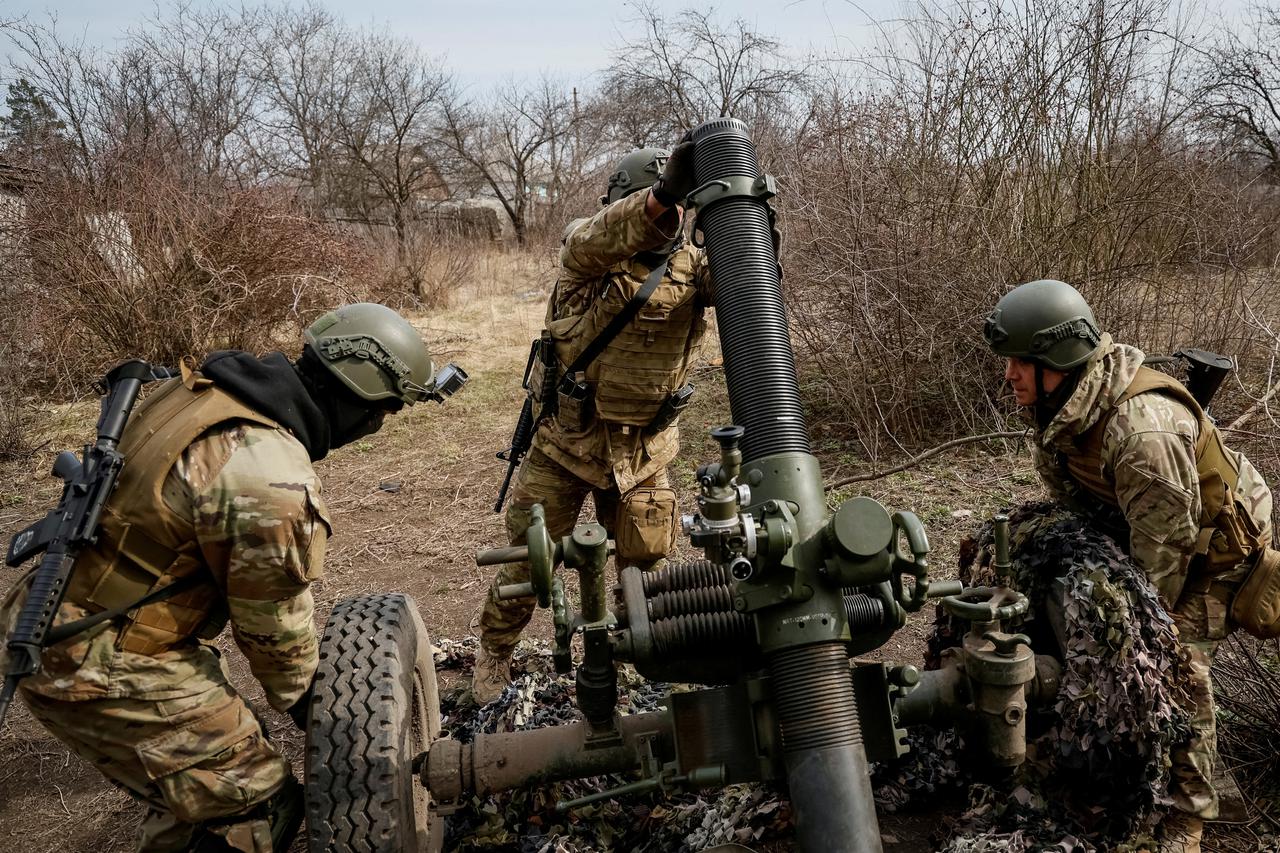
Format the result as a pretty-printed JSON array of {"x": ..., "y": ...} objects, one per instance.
[
  {"x": 650, "y": 358},
  {"x": 143, "y": 544},
  {"x": 1228, "y": 533}
]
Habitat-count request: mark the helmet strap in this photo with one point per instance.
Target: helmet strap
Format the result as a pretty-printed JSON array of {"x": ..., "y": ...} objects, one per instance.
[
  {"x": 350, "y": 417},
  {"x": 1048, "y": 404}
]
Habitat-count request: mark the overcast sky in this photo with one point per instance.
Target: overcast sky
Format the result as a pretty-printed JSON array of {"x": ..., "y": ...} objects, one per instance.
[{"x": 484, "y": 41}]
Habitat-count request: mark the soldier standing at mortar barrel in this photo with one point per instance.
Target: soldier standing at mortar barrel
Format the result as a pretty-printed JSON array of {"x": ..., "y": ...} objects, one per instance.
[
  {"x": 607, "y": 422},
  {"x": 219, "y": 499},
  {"x": 1132, "y": 449}
]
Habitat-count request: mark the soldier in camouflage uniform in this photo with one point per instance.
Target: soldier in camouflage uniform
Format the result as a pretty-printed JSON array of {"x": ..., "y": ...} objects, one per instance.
[
  {"x": 219, "y": 489},
  {"x": 612, "y": 453},
  {"x": 1129, "y": 447}
]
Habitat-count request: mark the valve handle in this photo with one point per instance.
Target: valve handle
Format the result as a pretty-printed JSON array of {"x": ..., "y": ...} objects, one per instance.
[
  {"x": 987, "y": 604},
  {"x": 907, "y": 525},
  {"x": 542, "y": 555},
  {"x": 1006, "y": 644}
]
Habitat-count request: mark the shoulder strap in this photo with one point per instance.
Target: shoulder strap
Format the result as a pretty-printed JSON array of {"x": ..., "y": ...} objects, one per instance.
[
  {"x": 616, "y": 325},
  {"x": 70, "y": 629},
  {"x": 1149, "y": 380}
]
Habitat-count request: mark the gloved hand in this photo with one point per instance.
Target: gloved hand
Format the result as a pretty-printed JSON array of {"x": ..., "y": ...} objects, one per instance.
[
  {"x": 300, "y": 711},
  {"x": 677, "y": 179}
]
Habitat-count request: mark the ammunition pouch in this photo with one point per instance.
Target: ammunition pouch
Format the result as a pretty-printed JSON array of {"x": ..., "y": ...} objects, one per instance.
[
  {"x": 645, "y": 530},
  {"x": 670, "y": 410},
  {"x": 543, "y": 375},
  {"x": 1256, "y": 604},
  {"x": 575, "y": 403},
  {"x": 538, "y": 374}
]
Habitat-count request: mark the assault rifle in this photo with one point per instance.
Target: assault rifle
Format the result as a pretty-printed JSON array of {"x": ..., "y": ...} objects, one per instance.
[
  {"x": 73, "y": 523},
  {"x": 1205, "y": 371},
  {"x": 539, "y": 383}
]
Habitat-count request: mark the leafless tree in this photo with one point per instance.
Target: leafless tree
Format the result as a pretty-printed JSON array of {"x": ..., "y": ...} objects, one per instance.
[
  {"x": 67, "y": 75},
  {"x": 1240, "y": 88},
  {"x": 192, "y": 73},
  {"x": 672, "y": 75},
  {"x": 303, "y": 54},
  {"x": 178, "y": 90},
  {"x": 522, "y": 145},
  {"x": 394, "y": 98}
]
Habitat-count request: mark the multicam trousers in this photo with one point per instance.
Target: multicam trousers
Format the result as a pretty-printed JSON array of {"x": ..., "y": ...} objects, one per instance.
[
  {"x": 642, "y": 522},
  {"x": 1201, "y": 621},
  {"x": 194, "y": 760}
]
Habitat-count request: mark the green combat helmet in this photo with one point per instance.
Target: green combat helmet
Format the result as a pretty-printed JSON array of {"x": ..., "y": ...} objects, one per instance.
[
  {"x": 635, "y": 172},
  {"x": 375, "y": 352},
  {"x": 1043, "y": 321}
]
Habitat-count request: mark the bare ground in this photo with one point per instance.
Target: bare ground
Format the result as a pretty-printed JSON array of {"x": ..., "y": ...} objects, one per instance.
[{"x": 411, "y": 506}]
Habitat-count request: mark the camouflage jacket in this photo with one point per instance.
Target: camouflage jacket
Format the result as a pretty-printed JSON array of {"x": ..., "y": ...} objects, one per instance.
[
  {"x": 602, "y": 266},
  {"x": 1148, "y": 453},
  {"x": 252, "y": 497}
]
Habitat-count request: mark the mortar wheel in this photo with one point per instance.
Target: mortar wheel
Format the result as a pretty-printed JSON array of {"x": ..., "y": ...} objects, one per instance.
[{"x": 375, "y": 708}]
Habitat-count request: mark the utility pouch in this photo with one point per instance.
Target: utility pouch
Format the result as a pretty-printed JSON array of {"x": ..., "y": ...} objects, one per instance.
[
  {"x": 646, "y": 526},
  {"x": 575, "y": 403},
  {"x": 542, "y": 375},
  {"x": 670, "y": 410},
  {"x": 1256, "y": 605}
]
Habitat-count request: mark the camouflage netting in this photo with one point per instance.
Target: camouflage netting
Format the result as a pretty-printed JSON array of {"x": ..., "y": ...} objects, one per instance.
[
  {"x": 1097, "y": 769},
  {"x": 527, "y": 820},
  {"x": 1098, "y": 761}
]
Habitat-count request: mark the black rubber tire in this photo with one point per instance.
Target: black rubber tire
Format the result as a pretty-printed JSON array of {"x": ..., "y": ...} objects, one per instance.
[{"x": 375, "y": 708}]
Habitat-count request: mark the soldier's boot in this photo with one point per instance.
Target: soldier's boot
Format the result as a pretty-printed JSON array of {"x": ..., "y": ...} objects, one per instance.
[
  {"x": 1181, "y": 833},
  {"x": 491, "y": 676}
]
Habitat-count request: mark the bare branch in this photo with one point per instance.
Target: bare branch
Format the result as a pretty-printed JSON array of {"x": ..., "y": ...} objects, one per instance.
[{"x": 928, "y": 454}]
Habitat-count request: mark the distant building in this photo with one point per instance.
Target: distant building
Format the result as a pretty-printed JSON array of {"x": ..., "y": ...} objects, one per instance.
[{"x": 15, "y": 183}]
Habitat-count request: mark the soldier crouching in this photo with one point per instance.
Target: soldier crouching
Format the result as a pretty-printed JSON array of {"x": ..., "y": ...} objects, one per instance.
[
  {"x": 1132, "y": 449},
  {"x": 218, "y": 494}
]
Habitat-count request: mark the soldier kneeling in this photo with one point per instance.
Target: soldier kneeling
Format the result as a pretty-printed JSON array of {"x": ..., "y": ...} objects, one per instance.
[{"x": 218, "y": 494}]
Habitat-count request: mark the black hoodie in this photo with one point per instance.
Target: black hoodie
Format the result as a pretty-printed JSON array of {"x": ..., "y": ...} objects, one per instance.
[{"x": 272, "y": 386}]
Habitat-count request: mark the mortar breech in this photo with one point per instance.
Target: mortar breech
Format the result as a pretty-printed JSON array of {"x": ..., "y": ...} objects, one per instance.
[{"x": 452, "y": 770}]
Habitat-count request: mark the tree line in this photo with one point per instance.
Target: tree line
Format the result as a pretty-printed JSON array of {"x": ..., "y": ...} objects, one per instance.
[
  {"x": 1117, "y": 144},
  {"x": 360, "y": 123}
]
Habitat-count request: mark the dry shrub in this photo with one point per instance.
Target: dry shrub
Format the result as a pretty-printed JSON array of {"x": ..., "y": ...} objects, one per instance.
[
  {"x": 422, "y": 270},
  {"x": 1001, "y": 144},
  {"x": 154, "y": 267},
  {"x": 18, "y": 311},
  {"x": 1247, "y": 689},
  {"x": 16, "y": 412}
]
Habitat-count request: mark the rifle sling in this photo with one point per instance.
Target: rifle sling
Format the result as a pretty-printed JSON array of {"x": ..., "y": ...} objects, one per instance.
[
  {"x": 63, "y": 632},
  {"x": 616, "y": 325}
]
